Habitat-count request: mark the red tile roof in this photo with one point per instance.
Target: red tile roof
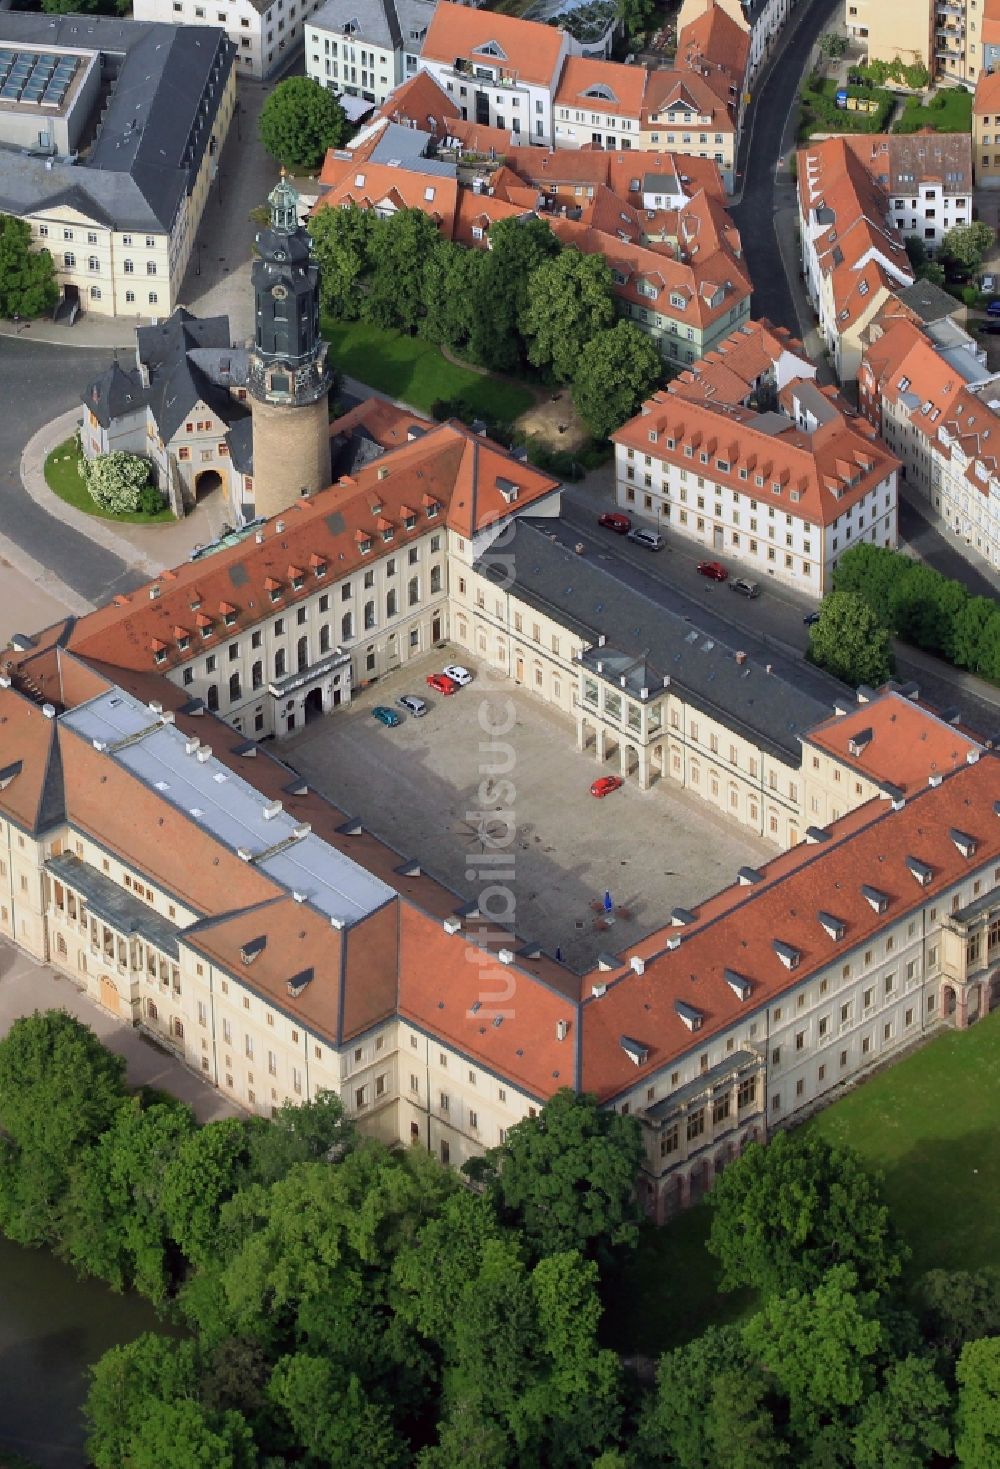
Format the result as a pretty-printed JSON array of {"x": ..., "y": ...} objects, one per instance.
[
  {"x": 894, "y": 741},
  {"x": 528, "y": 49},
  {"x": 603, "y": 86},
  {"x": 742, "y": 938}
]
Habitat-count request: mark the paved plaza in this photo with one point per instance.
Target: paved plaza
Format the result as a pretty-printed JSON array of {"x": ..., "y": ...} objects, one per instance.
[{"x": 430, "y": 786}]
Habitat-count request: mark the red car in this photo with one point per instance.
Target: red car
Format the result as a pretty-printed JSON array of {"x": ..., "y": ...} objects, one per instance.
[
  {"x": 441, "y": 683},
  {"x": 614, "y": 520},
  {"x": 605, "y": 784},
  {"x": 714, "y": 570}
]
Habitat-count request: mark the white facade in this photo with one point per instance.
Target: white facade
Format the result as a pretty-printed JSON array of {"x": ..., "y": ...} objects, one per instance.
[
  {"x": 929, "y": 212},
  {"x": 486, "y": 95},
  {"x": 263, "y": 34},
  {"x": 366, "y": 50}
]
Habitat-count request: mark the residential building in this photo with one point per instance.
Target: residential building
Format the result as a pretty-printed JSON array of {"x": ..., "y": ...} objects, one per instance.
[
  {"x": 760, "y": 20},
  {"x": 986, "y": 131},
  {"x": 956, "y": 40},
  {"x": 937, "y": 406},
  {"x": 787, "y": 488},
  {"x": 183, "y": 407},
  {"x": 749, "y": 367},
  {"x": 927, "y": 176},
  {"x": 263, "y": 33},
  {"x": 675, "y": 256},
  {"x": 853, "y": 257},
  {"x": 598, "y": 104},
  {"x": 365, "y": 50},
  {"x": 500, "y": 72},
  {"x": 683, "y": 114},
  {"x": 144, "y": 111}
]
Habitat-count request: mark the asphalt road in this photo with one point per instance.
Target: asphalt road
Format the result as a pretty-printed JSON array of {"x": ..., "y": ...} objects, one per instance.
[
  {"x": 39, "y": 381},
  {"x": 762, "y": 144}
]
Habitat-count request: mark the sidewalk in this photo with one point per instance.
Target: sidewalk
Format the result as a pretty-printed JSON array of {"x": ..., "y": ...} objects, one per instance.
[{"x": 146, "y": 548}]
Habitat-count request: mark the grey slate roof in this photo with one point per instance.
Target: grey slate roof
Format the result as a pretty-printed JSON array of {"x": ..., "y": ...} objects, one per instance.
[
  {"x": 106, "y": 900},
  {"x": 185, "y": 357},
  {"x": 929, "y": 301},
  {"x": 386, "y": 23},
  {"x": 156, "y": 128},
  {"x": 643, "y": 619}
]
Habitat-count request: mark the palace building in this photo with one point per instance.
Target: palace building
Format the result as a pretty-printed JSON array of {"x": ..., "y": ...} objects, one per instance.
[{"x": 155, "y": 851}]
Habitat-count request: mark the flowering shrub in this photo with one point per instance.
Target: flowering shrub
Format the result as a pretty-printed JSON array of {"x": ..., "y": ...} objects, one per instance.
[{"x": 116, "y": 481}]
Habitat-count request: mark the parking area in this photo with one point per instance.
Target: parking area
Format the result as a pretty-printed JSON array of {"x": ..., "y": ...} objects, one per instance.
[{"x": 441, "y": 788}]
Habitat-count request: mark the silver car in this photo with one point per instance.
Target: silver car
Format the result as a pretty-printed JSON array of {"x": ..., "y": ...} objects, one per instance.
[
  {"x": 651, "y": 539},
  {"x": 412, "y": 705}
]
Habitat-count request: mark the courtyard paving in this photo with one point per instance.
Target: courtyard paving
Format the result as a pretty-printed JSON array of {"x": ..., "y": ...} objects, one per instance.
[{"x": 432, "y": 786}]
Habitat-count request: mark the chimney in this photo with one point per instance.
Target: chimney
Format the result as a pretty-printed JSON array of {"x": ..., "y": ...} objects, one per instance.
[
  {"x": 279, "y": 526},
  {"x": 49, "y": 710},
  {"x": 562, "y": 1029}
]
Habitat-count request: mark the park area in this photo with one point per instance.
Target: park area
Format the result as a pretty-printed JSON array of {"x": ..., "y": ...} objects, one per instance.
[
  {"x": 948, "y": 111},
  {"x": 418, "y": 373},
  {"x": 929, "y": 1124}
]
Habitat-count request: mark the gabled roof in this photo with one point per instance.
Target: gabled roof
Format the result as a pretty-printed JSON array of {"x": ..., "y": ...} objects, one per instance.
[
  {"x": 894, "y": 741},
  {"x": 524, "y": 48}
]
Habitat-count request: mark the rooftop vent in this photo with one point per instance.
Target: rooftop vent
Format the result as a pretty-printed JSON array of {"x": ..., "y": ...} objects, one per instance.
[
  {"x": 935, "y": 778},
  {"x": 562, "y": 1029},
  {"x": 638, "y": 964},
  {"x": 506, "y": 956},
  {"x": 597, "y": 990},
  {"x": 749, "y": 875},
  {"x": 608, "y": 961},
  {"x": 680, "y": 916},
  {"x": 271, "y": 810},
  {"x": 204, "y": 753},
  {"x": 634, "y": 1050},
  {"x": 738, "y": 983},
  {"x": 452, "y": 925},
  {"x": 49, "y": 710},
  {"x": 691, "y": 1017}
]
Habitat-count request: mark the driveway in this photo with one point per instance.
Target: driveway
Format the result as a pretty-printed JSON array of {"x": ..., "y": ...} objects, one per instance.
[{"x": 426, "y": 788}]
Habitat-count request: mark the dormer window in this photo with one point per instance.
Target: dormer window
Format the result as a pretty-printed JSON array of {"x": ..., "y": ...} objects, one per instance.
[
  {"x": 228, "y": 613},
  {"x": 159, "y": 652},
  {"x": 183, "y": 643},
  {"x": 365, "y": 545},
  {"x": 788, "y": 955},
  {"x": 409, "y": 521},
  {"x": 272, "y": 588},
  {"x": 835, "y": 927},
  {"x": 920, "y": 870},
  {"x": 387, "y": 534},
  {"x": 689, "y": 1016},
  {"x": 432, "y": 509},
  {"x": 634, "y": 1050}
]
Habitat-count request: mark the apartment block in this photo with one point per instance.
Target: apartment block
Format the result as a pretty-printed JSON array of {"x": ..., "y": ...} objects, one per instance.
[
  {"x": 956, "y": 40},
  {"x": 986, "y": 131},
  {"x": 366, "y": 51},
  {"x": 761, "y": 21},
  {"x": 263, "y": 33},
  {"x": 786, "y": 488}
]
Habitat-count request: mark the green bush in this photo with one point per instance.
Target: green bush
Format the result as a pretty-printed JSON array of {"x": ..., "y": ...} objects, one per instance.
[{"x": 151, "y": 502}]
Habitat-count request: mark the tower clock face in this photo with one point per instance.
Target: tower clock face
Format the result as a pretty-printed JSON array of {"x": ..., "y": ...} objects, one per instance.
[{"x": 279, "y": 292}]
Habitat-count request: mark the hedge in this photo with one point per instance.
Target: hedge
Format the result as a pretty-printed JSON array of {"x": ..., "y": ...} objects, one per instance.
[{"x": 922, "y": 607}]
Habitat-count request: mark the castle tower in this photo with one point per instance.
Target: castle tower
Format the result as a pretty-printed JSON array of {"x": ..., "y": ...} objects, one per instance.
[{"x": 289, "y": 377}]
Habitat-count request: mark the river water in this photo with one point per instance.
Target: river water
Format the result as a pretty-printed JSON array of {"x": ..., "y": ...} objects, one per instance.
[{"x": 52, "y": 1327}]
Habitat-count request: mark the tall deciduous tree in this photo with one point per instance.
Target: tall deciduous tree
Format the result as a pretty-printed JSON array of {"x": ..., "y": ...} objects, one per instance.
[
  {"x": 185, "y": 1435},
  {"x": 966, "y": 244},
  {"x": 819, "y": 1346},
  {"x": 675, "y": 1428},
  {"x": 959, "y": 1306},
  {"x": 569, "y": 302},
  {"x": 905, "y": 1425},
  {"x": 342, "y": 243},
  {"x": 619, "y": 369},
  {"x": 299, "y": 121},
  {"x": 784, "y": 1214},
  {"x": 124, "y": 1382},
  {"x": 977, "y": 1424},
  {"x": 566, "y": 1178},
  {"x": 59, "y": 1091},
  {"x": 114, "y": 1222},
  {"x": 850, "y": 642},
  {"x": 517, "y": 248},
  {"x": 27, "y": 277},
  {"x": 332, "y": 1418},
  {"x": 400, "y": 250}
]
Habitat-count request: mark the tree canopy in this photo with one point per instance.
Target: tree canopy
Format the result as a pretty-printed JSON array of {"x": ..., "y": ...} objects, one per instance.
[
  {"x": 785, "y": 1214},
  {"x": 850, "y": 642},
  {"x": 966, "y": 244},
  {"x": 300, "y": 120},
  {"x": 27, "y": 277},
  {"x": 619, "y": 369},
  {"x": 569, "y": 302}
]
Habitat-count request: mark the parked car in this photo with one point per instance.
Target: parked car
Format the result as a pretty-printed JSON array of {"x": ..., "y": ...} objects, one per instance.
[
  {"x": 651, "y": 539},
  {"x": 993, "y": 309},
  {"x": 385, "y": 716},
  {"x": 605, "y": 784},
  {"x": 441, "y": 683},
  {"x": 616, "y": 521},
  {"x": 811, "y": 618},
  {"x": 714, "y": 570},
  {"x": 458, "y": 674},
  {"x": 988, "y": 328},
  {"x": 412, "y": 705},
  {"x": 744, "y": 587},
  {"x": 988, "y": 283}
]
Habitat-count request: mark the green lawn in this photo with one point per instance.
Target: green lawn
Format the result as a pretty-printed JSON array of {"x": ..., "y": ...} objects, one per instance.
[
  {"x": 819, "y": 112},
  {"x": 64, "y": 479},
  {"x": 930, "y": 1124},
  {"x": 950, "y": 111},
  {"x": 415, "y": 371}
]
